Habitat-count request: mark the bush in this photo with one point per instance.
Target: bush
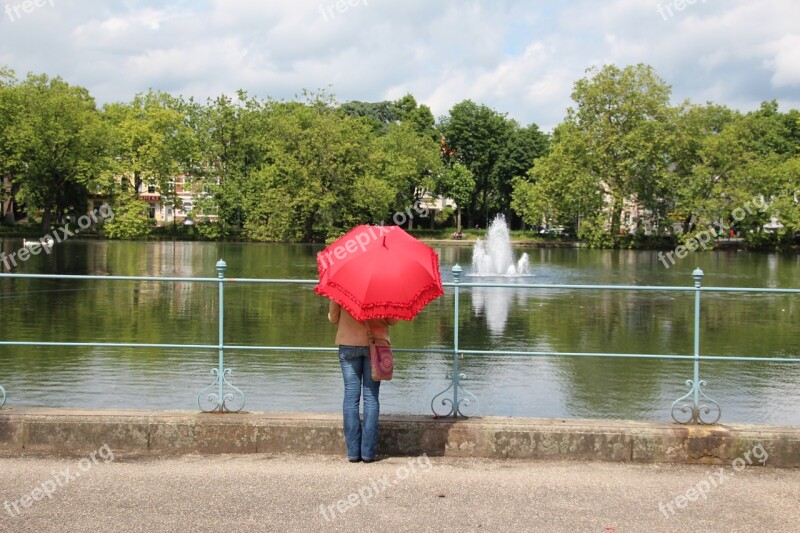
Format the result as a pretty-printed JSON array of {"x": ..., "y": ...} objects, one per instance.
[
  {"x": 594, "y": 233},
  {"x": 130, "y": 220}
]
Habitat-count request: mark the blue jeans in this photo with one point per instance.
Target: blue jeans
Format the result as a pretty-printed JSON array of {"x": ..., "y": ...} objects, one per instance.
[{"x": 361, "y": 439}]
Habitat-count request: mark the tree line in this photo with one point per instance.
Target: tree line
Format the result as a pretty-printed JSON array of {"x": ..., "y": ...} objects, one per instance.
[
  {"x": 307, "y": 170},
  {"x": 686, "y": 167}
]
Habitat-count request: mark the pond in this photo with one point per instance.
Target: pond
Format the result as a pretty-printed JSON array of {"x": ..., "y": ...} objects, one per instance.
[{"x": 512, "y": 318}]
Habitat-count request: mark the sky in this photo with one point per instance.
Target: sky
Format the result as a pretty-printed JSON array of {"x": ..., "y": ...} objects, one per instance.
[{"x": 521, "y": 58}]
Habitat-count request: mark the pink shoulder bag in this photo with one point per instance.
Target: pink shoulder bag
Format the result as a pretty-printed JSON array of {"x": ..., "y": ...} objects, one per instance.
[{"x": 380, "y": 357}]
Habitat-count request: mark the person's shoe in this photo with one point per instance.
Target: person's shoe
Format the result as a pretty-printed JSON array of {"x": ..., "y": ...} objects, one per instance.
[
  {"x": 354, "y": 460},
  {"x": 368, "y": 460}
]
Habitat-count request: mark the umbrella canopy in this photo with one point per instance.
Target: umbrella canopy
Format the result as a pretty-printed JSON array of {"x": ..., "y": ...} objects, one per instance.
[{"x": 379, "y": 272}]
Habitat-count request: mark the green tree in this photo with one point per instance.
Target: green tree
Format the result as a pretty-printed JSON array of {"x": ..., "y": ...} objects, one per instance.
[
  {"x": 419, "y": 116},
  {"x": 523, "y": 147},
  {"x": 131, "y": 220},
  {"x": 457, "y": 184},
  {"x": 11, "y": 149},
  {"x": 381, "y": 115},
  {"x": 65, "y": 147},
  {"x": 620, "y": 136},
  {"x": 699, "y": 161},
  {"x": 731, "y": 161},
  {"x": 150, "y": 146},
  {"x": 378, "y": 114},
  {"x": 230, "y": 146},
  {"x": 319, "y": 174},
  {"x": 559, "y": 191},
  {"x": 408, "y": 162},
  {"x": 476, "y": 137}
]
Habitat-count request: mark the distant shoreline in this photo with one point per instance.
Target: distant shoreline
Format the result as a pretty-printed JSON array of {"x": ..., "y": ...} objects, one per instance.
[{"x": 720, "y": 244}]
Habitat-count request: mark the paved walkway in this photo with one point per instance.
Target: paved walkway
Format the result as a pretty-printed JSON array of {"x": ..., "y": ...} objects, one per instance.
[{"x": 258, "y": 492}]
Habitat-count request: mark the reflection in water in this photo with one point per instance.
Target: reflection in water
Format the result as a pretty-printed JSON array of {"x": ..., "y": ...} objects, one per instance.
[
  {"x": 494, "y": 304},
  {"x": 772, "y": 271}
]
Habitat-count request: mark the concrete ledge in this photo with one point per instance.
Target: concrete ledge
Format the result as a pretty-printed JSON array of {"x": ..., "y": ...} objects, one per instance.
[{"x": 80, "y": 431}]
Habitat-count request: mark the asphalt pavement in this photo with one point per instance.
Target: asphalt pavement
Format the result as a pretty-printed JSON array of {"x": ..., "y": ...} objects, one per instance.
[{"x": 250, "y": 493}]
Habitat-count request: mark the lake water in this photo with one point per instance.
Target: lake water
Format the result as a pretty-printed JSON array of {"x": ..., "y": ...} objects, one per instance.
[{"x": 510, "y": 318}]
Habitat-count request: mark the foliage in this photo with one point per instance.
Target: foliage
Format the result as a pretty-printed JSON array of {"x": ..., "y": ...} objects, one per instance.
[
  {"x": 741, "y": 171},
  {"x": 475, "y": 136},
  {"x": 594, "y": 232},
  {"x": 458, "y": 184},
  {"x": 523, "y": 149},
  {"x": 685, "y": 169},
  {"x": 58, "y": 144},
  {"x": 130, "y": 219},
  {"x": 620, "y": 125},
  {"x": 309, "y": 170},
  {"x": 381, "y": 115},
  {"x": 559, "y": 190}
]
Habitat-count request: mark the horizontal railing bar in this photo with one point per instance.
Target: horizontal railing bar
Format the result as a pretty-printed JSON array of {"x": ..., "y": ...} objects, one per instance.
[
  {"x": 633, "y": 356},
  {"x": 568, "y": 287},
  {"x": 330, "y": 349},
  {"x": 282, "y": 348},
  {"x": 109, "y": 278},
  {"x": 207, "y": 346},
  {"x": 747, "y": 289},
  {"x": 404, "y": 350},
  {"x": 260, "y": 280},
  {"x": 445, "y": 284},
  {"x": 616, "y": 287},
  {"x": 113, "y": 345}
]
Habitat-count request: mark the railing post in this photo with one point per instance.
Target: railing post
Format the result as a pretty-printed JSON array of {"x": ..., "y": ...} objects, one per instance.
[
  {"x": 2, "y": 396},
  {"x": 456, "y": 280},
  {"x": 455, "y": 378},
  {"x": 695, "y": 385},
  {"x": 697, "y": 276},
  {"x": 220, "y": 401},
  {"x": 222, "y": 266}
]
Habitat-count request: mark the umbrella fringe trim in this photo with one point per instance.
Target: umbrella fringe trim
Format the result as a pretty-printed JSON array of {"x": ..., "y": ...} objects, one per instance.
[{"x": 383, "y": 308}]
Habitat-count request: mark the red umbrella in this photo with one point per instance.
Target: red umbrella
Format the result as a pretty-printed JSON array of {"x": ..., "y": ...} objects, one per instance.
[{"x": 379, "y": 272}]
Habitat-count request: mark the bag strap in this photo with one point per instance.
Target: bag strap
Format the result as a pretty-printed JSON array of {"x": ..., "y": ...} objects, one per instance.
[{"x": 371, "y": 338}]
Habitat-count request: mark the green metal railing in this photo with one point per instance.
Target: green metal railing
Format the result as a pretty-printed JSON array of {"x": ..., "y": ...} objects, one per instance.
[{"x": 222, "y": 396}]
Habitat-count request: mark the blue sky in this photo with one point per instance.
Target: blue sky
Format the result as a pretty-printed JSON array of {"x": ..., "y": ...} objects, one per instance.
[{"x": 517, "y": 57}]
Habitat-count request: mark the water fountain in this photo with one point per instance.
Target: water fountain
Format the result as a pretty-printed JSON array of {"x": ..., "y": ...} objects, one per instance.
[{"x": 495, "y": 257}]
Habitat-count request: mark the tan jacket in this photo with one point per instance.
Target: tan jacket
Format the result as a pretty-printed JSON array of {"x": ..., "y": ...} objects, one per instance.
[{"x": 351, "y": 332}]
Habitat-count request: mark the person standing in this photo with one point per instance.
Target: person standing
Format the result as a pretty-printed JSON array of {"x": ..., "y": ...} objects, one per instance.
[{"x": 351, "y": 336}]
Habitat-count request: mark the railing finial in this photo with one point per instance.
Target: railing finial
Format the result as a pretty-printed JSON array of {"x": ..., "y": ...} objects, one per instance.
[
  {"x": 456, "y": 270},
  {"x": 222, "y": 266},
  {"x": 697, "y": 274}
]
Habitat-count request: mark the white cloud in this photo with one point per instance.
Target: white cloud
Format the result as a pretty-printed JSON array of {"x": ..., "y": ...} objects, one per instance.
[
  {"x": 514, "y": 56},
  {"x": 785, "y": 61}
]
